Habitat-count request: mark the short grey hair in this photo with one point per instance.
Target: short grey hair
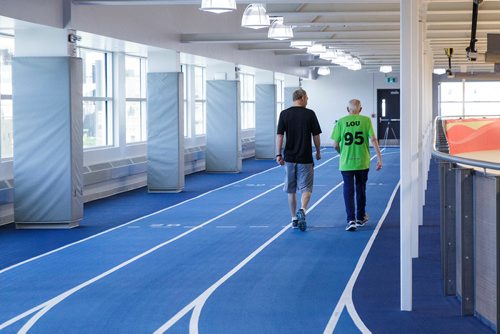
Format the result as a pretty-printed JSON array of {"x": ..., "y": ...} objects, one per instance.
[
  {"x": 354, "y": 105},
  {"x": 299, "y": 94}
]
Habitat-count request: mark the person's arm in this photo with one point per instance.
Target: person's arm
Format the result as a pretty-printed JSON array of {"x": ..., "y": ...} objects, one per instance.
[
  {"x": 336, "y": 146},
  {"x": 317, "y": 144},
  {"x": 279, "y": 144},
  {"x": 377, "y": 149}
]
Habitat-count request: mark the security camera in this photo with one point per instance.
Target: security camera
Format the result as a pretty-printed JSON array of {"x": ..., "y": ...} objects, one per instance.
[{"x": 72, "y": 38}]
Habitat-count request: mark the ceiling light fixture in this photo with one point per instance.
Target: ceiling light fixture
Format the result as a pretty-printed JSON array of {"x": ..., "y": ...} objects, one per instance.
[
  {"x": 386, "y": 68},
  {"x": 255, "y": 17},
  {"x": 301, "y": 44},
  {"x": 218, "y": 6},
  {"x": 316, "y": 49},
  {"x": 439, "y": 71},
  {"x": 280, "y": 31},
  {"x": 324, "y": 70}
]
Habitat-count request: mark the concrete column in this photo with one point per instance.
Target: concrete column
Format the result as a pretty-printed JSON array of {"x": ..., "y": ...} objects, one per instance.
[
  {"x": 406, "y": 14},
  {"x": 165, "y": 122},
  {"x": 47, "y": 99}
]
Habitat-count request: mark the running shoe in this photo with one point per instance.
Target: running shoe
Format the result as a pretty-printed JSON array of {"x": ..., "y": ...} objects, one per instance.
[
  {"x": 301, "y": 217},
  {"x": 361, "y": 223},
  {"x": 351, "y": 226},
  {"x": 295, "y": 223}
]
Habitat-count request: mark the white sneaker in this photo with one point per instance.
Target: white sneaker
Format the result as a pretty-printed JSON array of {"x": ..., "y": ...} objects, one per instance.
[{"x": 351, "y": 226}]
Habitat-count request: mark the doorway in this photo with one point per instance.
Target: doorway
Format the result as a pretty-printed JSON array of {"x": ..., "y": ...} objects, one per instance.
[{"x": 388, "y": 117}]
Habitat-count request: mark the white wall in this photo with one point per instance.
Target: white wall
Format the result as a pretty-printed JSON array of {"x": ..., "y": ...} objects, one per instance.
[{"x": 329, "y": 95}]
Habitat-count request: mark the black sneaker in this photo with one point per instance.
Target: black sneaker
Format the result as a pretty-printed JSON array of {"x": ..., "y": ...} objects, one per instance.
[
  {"x": 361, "y": 223},
  {"x": 295, "y": 223},
  {"x": 351, "y": 226},
  {"x": 301, "y": 217}
]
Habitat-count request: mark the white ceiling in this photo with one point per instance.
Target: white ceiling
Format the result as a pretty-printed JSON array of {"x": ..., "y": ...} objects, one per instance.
[{"x": 367, "y": 29}]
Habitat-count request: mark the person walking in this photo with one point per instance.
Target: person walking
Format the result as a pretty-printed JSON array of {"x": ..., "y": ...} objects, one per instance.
[
  {"x": 351, "y": 136},
  {"x": 298, "y": 124}
]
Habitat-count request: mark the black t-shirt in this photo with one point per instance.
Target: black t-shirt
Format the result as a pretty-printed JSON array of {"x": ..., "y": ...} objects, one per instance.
[{"x": 298, "y": 124}]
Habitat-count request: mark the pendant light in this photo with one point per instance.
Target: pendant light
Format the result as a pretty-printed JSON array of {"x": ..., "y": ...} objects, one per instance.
[
  {"x": 280, "y": 31},
  {"x": 301, "y": 44},
  {"x": 218, "y": 6},
  {"x": 324, "y": 70},
  {"x": 255, "y": 17},
  {"x": 385, "y": 69}
]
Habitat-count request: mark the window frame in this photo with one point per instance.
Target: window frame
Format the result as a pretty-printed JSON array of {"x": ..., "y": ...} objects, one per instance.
[
  {"x": 142, "y": 99},
  {"x": 108, "y": 100}
]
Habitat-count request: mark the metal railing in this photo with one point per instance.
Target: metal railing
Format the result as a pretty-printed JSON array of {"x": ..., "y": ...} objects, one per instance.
[{"x": 469, "y": 211}]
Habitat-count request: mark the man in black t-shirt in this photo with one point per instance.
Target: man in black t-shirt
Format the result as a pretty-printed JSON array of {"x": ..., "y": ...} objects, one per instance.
[{"x": 298, "y": 124}]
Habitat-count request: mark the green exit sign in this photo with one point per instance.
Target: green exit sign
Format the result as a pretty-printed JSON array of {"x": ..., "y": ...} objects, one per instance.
[{"x": 391, "y": 79}]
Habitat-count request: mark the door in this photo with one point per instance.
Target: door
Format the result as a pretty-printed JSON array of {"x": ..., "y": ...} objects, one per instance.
[{"x": 388, "y": 117}]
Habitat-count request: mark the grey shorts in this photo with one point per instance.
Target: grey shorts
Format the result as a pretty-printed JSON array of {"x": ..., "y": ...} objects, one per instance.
[{"x": 298, "y": 177}]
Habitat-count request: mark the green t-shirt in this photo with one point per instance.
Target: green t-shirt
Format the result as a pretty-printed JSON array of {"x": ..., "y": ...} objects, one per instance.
[{"x": 353, "y": 133}]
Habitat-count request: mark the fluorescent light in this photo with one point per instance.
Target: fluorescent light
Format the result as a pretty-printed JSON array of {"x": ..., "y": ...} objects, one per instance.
[
  {"x": 316, "y": 49},
  {"x": 218, "y": 6},
  {"x": 324, "y": 70},
  {"x": 280, "y": 31},
  {"x": 439, "y": 71},
  {"x": 301, "y": 44},
  {"x": 255, "y": 17},
  {"x": 386, "y": 68}
]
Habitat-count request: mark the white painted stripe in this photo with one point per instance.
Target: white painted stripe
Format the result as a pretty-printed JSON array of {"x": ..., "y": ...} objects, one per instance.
[
  {"x": 56, "y": 300},
  {"x": 132, "y": 221},
  {"x": 346, "y": 298},
  {"x": 199, "y": 302},
  {"x": 48, "y": 305}
]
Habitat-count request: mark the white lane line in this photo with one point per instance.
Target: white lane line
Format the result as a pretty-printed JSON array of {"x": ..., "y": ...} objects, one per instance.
[
  {"x": 56, "y": 300},
  {"x": 346, "y": 298},
  {"x": 132, "y": 221},
  {"x": 198, "y": 303},
  {"x": 48, "y": 305}
]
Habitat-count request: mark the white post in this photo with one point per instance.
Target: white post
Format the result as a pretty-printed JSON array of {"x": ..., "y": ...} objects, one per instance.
[{"x": 405, "y": 158}]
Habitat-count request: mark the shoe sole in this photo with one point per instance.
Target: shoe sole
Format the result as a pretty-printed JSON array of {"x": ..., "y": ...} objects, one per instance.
[{"x": 351, "y": 228}]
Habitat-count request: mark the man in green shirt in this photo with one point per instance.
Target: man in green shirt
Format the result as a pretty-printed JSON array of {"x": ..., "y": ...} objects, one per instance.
[{"x": 350, "y": 138}]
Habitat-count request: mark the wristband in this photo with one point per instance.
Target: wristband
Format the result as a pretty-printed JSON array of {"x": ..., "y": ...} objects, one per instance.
[{"x": 278, "y": 155}]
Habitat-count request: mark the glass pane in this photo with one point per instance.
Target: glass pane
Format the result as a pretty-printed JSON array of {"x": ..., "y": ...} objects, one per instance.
[
  {"x": 199, "y": 83},
  {"x": 94, "y": 73},
  {"x": 94, "y": 124},
  {"x": 247, "y": 116},
  {"x": 132, "y": 77},
  {"x": 451, "y": 91},
  {"x": 6, "y": 53},
  {"x": 187, "y": 122},
  {"x": 482, "y": 91},
  {"x": 199, "y": 118},
  {"x": 133, "y": 122},
  {"x": 451, "y": 109},
  {"x": 482, "y": 108},
  {"x": 144, "y": 121},
  {"x": 6, "y": 131}
]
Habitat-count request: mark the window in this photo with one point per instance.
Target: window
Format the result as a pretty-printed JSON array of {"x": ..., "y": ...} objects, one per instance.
[
  {"x": 135, "y": 99},
  {"x": 247, "y": 87},
  {"x": 6, "y": 130},
  {"x": 187, "y": 118},
  {"x": 97, "y": 98},
  {"x": 200, "y": 101},
  {"x": 280, "y": 97},
  {"x": 470, "y": 98}
]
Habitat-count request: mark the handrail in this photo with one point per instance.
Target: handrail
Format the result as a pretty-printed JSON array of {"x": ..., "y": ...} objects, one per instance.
[{"x": 453, "y": 158}]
